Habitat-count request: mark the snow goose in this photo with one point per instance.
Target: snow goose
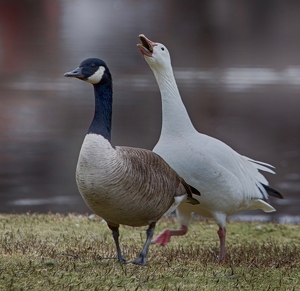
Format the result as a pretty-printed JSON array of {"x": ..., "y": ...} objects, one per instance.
[
  {"x": 123, "y": 185},
  {"x": 228, "y": 182}
]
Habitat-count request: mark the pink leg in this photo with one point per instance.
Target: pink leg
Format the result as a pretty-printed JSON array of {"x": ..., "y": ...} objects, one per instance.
[
  {"x": 165, "y": 236},
  {"x": 222, "y": 237}
]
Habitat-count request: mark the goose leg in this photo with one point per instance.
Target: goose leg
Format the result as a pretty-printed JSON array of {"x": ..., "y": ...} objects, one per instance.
[
  {"x": 165, "y": 236},
  {"x": 115, "y": 234},
  {"x": 141, "y": 260},
  {"x": 222, "y": 237}
]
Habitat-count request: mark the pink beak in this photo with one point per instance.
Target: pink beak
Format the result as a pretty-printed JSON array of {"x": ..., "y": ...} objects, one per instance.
[{"x": 146, "y": 47}]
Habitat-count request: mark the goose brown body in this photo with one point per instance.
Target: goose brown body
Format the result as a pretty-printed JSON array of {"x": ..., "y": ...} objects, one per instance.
[{"x": 125, "y": 185}]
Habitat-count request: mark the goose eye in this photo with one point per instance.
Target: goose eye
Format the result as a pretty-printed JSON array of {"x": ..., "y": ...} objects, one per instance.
[
  {"x": 93, "y": 65},
  {"x": 162, "y": 48}
]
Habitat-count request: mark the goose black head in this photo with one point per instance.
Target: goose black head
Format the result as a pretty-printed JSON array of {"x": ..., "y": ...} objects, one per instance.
[{"x": 91, "y": 70}]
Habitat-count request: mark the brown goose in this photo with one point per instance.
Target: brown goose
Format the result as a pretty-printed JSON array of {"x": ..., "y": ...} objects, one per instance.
[{"x": 123, "y": 185}]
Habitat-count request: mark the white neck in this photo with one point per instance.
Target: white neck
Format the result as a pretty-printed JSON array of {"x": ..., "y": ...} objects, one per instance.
[{"x": 175, "y": 118}]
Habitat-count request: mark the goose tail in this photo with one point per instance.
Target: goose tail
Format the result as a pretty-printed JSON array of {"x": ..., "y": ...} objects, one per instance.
[
  {"x": 191, "y": 190},
  {"x": 261, "y": 182},
  {"x": 272, "y": 192},
  {"x": 192, "y": 200},
  {"x": 195, "y": 191}
]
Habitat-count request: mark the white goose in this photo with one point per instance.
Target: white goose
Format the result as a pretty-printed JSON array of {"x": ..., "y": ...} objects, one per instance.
[
  {"x": 123, "y": 185},
  {"x": 228, "y": 182}
]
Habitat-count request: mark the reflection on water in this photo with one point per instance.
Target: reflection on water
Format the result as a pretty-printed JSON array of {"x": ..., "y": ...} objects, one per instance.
[
  {"x": 228, "y": 79},
  {"x": 239, "y": 78}
]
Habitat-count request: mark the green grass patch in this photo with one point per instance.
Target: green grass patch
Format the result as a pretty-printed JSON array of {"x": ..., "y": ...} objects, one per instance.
[{"x": 73, "y": 252}]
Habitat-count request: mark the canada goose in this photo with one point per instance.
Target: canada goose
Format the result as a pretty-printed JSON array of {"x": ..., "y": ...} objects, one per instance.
[
  {"x": 123, "y": 185},
  {"x": 228, "y": 182}
]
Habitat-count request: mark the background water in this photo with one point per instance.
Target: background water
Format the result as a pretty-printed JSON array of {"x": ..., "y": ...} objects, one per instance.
[{"x": 237, "y": 64}]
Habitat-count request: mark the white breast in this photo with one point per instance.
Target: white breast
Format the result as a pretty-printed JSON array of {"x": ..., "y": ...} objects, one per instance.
[{"x": 95, "y": 159}]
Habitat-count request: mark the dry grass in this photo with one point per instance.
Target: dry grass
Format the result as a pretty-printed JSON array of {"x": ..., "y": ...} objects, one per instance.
[{"x": 56, "y": 252}]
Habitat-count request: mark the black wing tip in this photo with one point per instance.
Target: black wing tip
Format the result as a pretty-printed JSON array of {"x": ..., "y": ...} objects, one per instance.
[{"x": 273, "y": 192}]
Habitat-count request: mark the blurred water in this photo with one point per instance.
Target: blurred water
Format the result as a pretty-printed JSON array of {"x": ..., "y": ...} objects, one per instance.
[{"x": 237, "y": 66}]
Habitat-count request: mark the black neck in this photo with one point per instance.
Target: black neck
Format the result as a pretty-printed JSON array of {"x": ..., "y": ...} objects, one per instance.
[{"x": 101, "y": 123}]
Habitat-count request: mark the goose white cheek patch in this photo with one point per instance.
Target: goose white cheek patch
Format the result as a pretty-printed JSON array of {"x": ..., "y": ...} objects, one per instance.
[{"x": 96, "y": 77}]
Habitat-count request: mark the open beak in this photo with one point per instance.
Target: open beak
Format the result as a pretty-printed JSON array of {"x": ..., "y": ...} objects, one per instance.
[
  {"x": 77, "y": 73},
  {"x": 146, "y": 47}
]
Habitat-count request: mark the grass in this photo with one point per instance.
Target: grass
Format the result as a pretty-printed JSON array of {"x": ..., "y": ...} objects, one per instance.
[{"x": 73, "y": 252}]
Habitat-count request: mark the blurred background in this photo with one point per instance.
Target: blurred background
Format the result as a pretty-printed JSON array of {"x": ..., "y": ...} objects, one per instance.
[{"x": 237, "y": 65}]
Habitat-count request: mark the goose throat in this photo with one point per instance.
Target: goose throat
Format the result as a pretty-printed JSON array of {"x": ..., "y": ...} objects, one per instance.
[{"x": 101, "y": 123}]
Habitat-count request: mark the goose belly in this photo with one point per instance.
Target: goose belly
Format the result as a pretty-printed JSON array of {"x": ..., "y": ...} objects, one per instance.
[
  {"x": 116, "y": 206},
  {"x": 115, "y": 209}
]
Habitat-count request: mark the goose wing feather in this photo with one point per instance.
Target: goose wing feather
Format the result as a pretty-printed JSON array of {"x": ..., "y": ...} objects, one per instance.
[
  {"x": 218, "y": 165},
  {"x": 150, "y": 172},
  {"x": 246, "y": 170}
]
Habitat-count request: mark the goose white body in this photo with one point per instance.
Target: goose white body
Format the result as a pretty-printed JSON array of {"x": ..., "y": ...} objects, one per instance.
[{"x": 228, "y": 182}]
